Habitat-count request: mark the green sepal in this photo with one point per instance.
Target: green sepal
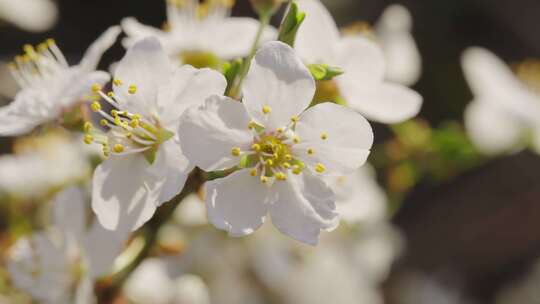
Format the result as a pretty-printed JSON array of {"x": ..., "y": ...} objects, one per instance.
[
  {"x": 165, "y": 135},
  {"x": 150, "y": 155},
  {"x": 290, "y": 25},
  {"x": 247, "y": 161},
  {"x": 323, "y": 72},
  {"x": 231, "y": 70}
]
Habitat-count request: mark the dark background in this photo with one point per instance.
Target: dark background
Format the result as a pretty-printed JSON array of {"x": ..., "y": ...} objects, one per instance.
[{"x": 475, "y": 233}]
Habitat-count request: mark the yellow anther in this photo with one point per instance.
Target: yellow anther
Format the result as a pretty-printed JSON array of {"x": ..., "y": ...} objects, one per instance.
[
  {"x": 270, "y": 162},
  {"x": 88, "y": 126},
  {"x": 236, "y": 151},
  {"x": 12, "y": 65},
  {"x": 253, "y": 172},
  {"x": 294, "y": 119},
  {"x": 297, "y": 170},
  {"x": 50, "y": 42},
  {"x": 88, "y": 139},
  {"x": 132, "y": 89},
  {"x": 118, "y": 148},
  {"x": 117, "y": 121},
  {"x": 42, "y": 47},
  {"x": 281, "y": 176},
  {"x": 252, "y": 125},
  {"x": 26, "y": 58},
  {"x": 95, "y": 106},
  {"x": 110, "y": 94},
  {"x": 288, "y": 157},
  {"x": 275, "y": 156},
  {"x": 114, "y": 113},
  {"x": 256, "y": 147},
  {"x": 286, "y": 165},
  {"x": 29, "y": 49},
  {"x": 129, "y": 135},
  {"x": 310, "y": 151},
  {"x": 117, "y": 82},
  {"x": 134, "y": 123},
  {"x": 137, "y": 116},
  {"x": 104, "y": 122},
  {"x": 280, "y": 130},
  {"x": 18, "y": 58},
  {"x": 296, "y": 139},
  {"x": 324, "y": 136},
  {"x": 96, "y": 88},
  {"x": 266, "y": 110},
  {"x": 320, "y": 168},
  {"x": 264, "y": 179}
]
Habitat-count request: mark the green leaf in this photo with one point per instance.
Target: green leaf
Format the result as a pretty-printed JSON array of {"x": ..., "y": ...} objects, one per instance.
[{"x": 290, "y": 25}]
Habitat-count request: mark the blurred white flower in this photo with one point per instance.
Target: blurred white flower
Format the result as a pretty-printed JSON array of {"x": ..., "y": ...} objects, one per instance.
[
  {"x": 52, "y": 161},
  {"x": 152, "y": 283},
  {"x": 363, "y": 84},
  {"x": 359, "y": 198},
  {"x": 146, "y": 166},
  {"x": 191, "y": 211},
  {"x": 393, "y": 33},
  {"x": 523, "y": 291},
  {"x": 283, "y": 148},
  {"x": 49, "y": 85},
  {"x": 47, "y": 264},
  {"x": 200, "y": 34},
  {"x": 29, "y": 15},
  {"x": 504, "y": 114}
]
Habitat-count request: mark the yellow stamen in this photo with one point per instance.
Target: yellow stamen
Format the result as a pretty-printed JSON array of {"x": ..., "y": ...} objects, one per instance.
[
  {"x": 270, "y": 162},
  {"x": 117, "y": 82},
  {"x": 132, "y": 89},
  {"x": 288, "y": 157},
  {"x": 253, "y": 172},
  {"x": 104, "y": 122},
  {"x": 96, "y": 88},
  {"x": 256, "y": 147},
  {"x": 320, "y": 168},
  {"x": 296, "y": 139},
  {"x": 95, "y": 106},
  {"x": 281, "y": 176},
  {"x": 88, "y": 139},
  {"x": 324, "y": 136},
  {"x": 264, "y": 179},
  {"x": 294, "y": 119},
  {"x": 310, "y": 151},
  {"x": 118, "y": 148},
  {"x": 236, "y": 151},
  {"x": 297, "y": 170},
  {"x": 88, "y": 126},
  {"x": 266, "y": 110}
]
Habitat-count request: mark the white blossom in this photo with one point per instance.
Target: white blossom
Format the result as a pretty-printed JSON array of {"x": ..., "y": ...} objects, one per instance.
[
  {"x": 200, "y": 34},
  {"x": 48, "y": 263},
  {"x": 283, "y": 149},
  {"x": 504, "y": 113},
  {"x": 50, "y": 85},
  {"x": 363, "y": 84},
  {"x": 146, "y": 166}
]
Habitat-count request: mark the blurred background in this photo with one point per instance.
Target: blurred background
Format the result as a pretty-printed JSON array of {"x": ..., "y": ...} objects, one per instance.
[{"x": 470, "y": 236}]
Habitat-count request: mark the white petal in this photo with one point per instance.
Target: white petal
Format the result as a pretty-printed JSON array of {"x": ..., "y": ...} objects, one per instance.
[
  {"x": 191, "y": 289},
  {"x": 237, "y": 203},
  {"x": 147, "y": 67},
  {"x": 208, "y": 134},
  {"x": 188, "y": 87},
  {"x": 318, "y": 34},
  {"x": 85, "y": 291},
  {"x": 93, "y": 54},
  {"x": 125, "y": 192},
  {"x": 136, "y": 31},
  {"x": 234, "y": 36},
  {"x": 359, "y": 198},
  {"x": 348, "y": 143},
  {"x": 386, "y": 103},
  {"x": 302, "y": 207},
  {"x": 177, "y": 169},
  {"x": 69, "y": 212},
  {"x": 78, "y": 86},
  {"x": 362, "y": 60},
  {"x": 488, "y": 75},
  {"x": 393, "y": 31},
  {"x": 15, "y": 124},
  {"x": 39, "y": 266},
  {"x": 101, "y": 247},
  {"x": 492, "y": 129},
  {"x": 30, "y": 15},
  {"x": 278, "y": 79},
  {"x": 150, "y": 283}
]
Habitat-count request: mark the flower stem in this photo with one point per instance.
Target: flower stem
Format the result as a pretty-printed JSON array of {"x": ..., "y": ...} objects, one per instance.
[
  {"x": 237, "y": 88},
  {"x": 108, "y": 289}
]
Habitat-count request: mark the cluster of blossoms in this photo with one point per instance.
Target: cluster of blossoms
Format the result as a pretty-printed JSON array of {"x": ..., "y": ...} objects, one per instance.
[{"x": 283, "y": 143}]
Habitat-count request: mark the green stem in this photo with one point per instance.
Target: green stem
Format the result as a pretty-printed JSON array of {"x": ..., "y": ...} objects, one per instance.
[
  {"x": 264, "y": 22},
  {"x": 109, "y": 289}
]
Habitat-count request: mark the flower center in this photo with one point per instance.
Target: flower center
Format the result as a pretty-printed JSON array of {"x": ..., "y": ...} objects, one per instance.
[
  {"x": 128, "y": 132},
  {"x": 194, "y": 9},
  {"x": 271, "y": 155},
  {"x": 36, "y": 66},
  {"x": 529, "y": 73},
  {"x": 200, "y": 59}
]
